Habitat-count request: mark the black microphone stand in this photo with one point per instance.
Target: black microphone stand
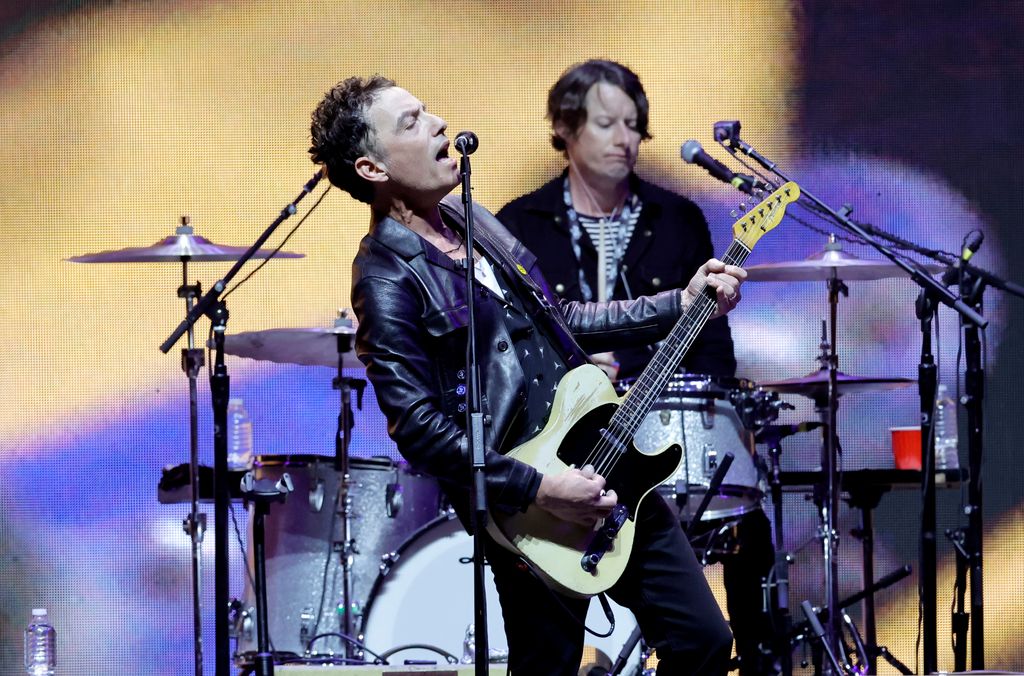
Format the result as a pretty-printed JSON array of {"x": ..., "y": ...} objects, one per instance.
[
  {"x": 936, "y": 292},
  {"x": 475, "y": 430},
  {"x": 215, "y": 308}
]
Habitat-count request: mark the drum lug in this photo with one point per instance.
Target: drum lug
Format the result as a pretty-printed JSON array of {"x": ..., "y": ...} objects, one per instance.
[
  {"x": 387, "y": 561},
  {"x": 710, "y": 460}
]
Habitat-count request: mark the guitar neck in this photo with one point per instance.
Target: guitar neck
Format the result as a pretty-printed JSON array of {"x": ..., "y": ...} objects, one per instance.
[{"x": 659, "y": 371}]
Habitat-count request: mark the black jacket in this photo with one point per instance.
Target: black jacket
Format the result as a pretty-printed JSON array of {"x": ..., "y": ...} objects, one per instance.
[
  {"x": 411, "y": 304},
  {"x": 670, "y": 242}
]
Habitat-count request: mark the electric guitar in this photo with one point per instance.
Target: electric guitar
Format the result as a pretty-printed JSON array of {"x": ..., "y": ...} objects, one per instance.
[{"x": 590, "y": 424}]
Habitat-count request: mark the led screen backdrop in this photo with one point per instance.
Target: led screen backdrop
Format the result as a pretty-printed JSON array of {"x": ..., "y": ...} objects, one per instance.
[{"x": 119, "y": 118}]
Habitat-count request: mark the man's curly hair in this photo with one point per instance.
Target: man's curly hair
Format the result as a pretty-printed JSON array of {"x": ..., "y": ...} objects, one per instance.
[{"x": 341, "y": 133}]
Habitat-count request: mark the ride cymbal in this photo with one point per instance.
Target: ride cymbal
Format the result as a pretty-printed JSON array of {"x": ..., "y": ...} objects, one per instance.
[
  {"x": 830, "y": 263},
  {"x": 815, "y": 384},
  {"x": 183, "y": 245}
]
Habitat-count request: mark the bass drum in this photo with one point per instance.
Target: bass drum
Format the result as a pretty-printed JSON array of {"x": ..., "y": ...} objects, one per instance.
[
  {"x": 424, "y": 596},
  {"x": 389, "y": 502},
  {"x": 697, "y": 412}
]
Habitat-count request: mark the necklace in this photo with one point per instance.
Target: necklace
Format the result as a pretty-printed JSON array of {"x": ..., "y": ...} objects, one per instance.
[{"x": 457, "y": 246}]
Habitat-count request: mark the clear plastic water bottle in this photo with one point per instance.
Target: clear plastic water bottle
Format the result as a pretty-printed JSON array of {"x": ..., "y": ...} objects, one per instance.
[
  {"x": 946, "y": 453},
  {"x": 239, "y": 436},
  {"x": 40, "y": 645}
]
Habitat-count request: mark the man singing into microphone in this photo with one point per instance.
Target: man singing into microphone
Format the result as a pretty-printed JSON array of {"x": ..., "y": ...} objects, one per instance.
[
  {"x": 601, "y": 232},
  {"x": 378, "y": 142}
]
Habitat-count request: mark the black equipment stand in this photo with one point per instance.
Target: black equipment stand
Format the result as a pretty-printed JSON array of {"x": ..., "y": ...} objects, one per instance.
[
  {"x": 192, "y": 361},
  {"x": 262, "y": 493},
  {"x": 928, "y": 583},
  {"x": 466, "y": 143},
  {"x": 344, "y": 333},
  {"x": 213, "y": 306}
]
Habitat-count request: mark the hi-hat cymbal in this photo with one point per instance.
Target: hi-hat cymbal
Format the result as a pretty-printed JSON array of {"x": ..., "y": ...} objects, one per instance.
[
  {"x": 815, "y": 384},
  {"x": 830, "y": 263},
  {"x": 315, "y": 346},
  {"x": 181, "y": 246}
]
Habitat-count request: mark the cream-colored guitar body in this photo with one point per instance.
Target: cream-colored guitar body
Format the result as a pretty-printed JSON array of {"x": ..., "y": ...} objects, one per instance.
[{"x": 555, "y": 547}]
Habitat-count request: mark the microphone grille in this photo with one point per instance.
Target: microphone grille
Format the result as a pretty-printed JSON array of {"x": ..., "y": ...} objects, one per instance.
[{"x": 690, "y": 150}]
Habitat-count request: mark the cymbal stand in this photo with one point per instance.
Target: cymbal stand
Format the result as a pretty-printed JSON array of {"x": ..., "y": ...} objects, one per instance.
[
  {"x": 213, "y": 306},
  {"x": 828, "y": 498},
  {"x": 342, "y": 441},
  {"x": 194, "y": 525}
]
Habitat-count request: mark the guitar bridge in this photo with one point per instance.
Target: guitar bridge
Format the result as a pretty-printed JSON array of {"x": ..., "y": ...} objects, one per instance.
[{"x": 604, "y": 538}]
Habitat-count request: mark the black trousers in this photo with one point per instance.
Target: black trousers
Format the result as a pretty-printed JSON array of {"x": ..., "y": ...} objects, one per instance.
[
  {"x": 742, "y": 575},
  {"x": 663, "y": 584}
]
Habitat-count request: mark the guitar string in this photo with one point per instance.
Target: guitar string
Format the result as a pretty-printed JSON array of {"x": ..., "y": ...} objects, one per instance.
[
  {"x": 604, "y": 456},
  {"x": 625, "y": 430},
  {"x": 604, "y": 449},
  {"x": 607, "y": 456}
]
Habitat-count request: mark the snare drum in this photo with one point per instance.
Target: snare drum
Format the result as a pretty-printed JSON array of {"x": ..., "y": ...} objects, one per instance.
[
  {"x": 695, "y": 412},
  {"x": 424, "y": 596},
  {"x": 303, "y": 543}
]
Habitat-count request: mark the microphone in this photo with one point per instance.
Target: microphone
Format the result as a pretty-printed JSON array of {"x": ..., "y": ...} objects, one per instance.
[
  {"x": 466, "y": 142},
  {"x": 693, "y": 153},
  {"x": 971, "y": 246}
]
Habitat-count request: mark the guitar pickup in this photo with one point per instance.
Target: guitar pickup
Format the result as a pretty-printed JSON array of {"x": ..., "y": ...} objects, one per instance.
[{"x": 604, "y": 538}]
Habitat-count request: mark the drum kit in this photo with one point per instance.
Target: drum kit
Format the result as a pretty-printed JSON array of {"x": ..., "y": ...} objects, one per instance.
[{"x": 372, "y": 552}]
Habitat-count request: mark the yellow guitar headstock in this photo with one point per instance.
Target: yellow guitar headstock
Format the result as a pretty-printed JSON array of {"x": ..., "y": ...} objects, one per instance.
[{"x": 766, "y": 215}]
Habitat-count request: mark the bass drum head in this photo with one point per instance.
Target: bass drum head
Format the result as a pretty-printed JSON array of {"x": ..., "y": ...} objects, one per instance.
[{"x": 426, "y": 597}]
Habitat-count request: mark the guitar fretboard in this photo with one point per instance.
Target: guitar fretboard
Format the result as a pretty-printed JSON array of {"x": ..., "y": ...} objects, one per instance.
[{"x": 648, "y": 386}]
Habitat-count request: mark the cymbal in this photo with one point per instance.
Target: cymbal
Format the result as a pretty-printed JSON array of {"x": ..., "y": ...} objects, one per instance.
[
  {"x": 815, "y": 384},
  {"x": 315, "y": 346},
  {"x": 832, "y": 261},
  {"x": 183, "y": 245}
]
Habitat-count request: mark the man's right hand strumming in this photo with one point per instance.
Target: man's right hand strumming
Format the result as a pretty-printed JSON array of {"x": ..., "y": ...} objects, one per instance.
[{"x": 576, "y": 495}]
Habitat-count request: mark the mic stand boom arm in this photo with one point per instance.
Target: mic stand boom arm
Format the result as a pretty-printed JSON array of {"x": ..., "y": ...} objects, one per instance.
[
  {"x": 213, "y": 306},
  {"x": 934, "y": 292}
]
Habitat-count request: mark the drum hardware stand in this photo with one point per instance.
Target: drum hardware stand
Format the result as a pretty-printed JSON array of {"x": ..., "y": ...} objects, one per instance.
[
  {"x": 715, "y": 484},
  {"x": 342, "y": 440},
  {"x": 772, "y": 436},
  {"x": 192, "y": 362},
  {"x": 213, "y": 306},
  {"x": 262, "y": 493},
  {"x": 819, "y": 634},
  {"x": 866, "y": 499},
  {"x": 960, "y": 620}
]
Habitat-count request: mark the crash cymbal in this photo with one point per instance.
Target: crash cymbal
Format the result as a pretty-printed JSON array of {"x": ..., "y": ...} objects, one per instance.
[
  {"x": 816, "y": 384},
  {"x": 826, "y": 264},
  {"x": 315, "y": 346},
  {"x": 182, "y": 245}
]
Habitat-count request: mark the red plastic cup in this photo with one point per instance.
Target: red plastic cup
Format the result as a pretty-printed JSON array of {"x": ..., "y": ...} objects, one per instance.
[{"x": 906, "y": 447}]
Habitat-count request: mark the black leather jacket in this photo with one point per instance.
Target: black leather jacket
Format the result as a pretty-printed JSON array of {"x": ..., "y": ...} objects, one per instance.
[{"x": 411, "y": 304}]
